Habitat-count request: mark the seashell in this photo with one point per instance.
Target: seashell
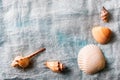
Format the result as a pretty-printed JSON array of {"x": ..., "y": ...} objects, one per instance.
[
  {"x": 23, "y": 62},
  {"x": 91, "y": 59},
  {"x": 101, "y": 34},
  {"x": 55, "y": 66},
  {"x": 20, "y": 61},
  {"x": 104, "y": 14}
]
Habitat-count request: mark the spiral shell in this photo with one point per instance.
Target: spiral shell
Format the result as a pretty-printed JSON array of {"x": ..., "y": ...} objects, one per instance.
[
  {"x": 20, "y": 61},
  {"x": 55, "y": 66},
  {"x": 91, "y": 59},
  {"x": 23, "y": 62},
  {"x": 101, "y": 34},
  {"x": 104, "y": 14}
]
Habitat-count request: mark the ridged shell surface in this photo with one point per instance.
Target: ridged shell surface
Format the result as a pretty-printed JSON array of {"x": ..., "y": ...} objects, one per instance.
[{"x": 91, "y": 59}]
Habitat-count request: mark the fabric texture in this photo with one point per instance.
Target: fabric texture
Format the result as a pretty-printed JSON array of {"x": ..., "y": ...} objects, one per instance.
[{"x": 63, "y": 27}]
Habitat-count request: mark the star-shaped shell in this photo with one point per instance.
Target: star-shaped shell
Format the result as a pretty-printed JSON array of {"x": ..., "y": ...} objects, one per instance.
[{"x": 91, "y": 59}]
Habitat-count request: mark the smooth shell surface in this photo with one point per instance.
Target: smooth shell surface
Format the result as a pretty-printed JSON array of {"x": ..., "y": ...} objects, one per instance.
[
  {"x": 101, "y": 34},
  {"x": 55, "y": 66},
  {"x": 91, "y": 59}
]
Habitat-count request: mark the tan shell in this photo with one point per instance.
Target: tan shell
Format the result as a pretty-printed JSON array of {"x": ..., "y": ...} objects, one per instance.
[
  {"x": 91, "y": 59},
  {"x": 23, "y": 62},
  {"x": 20, "y": 61},
  {"x": 101, "y": 34},
  {"x": 55, "y": 66},
  {"x": 104, "y": 15}
]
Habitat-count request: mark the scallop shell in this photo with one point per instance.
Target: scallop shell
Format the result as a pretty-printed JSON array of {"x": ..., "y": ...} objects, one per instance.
[
  {"x": 91, "y": 59},
  {"x": 101, "y": 34}
]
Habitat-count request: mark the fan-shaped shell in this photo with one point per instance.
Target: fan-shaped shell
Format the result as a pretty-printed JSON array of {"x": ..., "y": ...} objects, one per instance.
[
  {"x": 91, "y": 59},
  {"x": 101, "y": 34}
]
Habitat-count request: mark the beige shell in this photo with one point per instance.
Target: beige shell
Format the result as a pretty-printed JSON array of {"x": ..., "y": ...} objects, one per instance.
[
  {"x": 91, "y": 59},
  {"x": 101, "y": 34},
  {"x": 55, "y": 66},
  {"x": 20, "y": 61},
  {"x": 104, "y": 14},
  {"x": 23, "y": 62}
]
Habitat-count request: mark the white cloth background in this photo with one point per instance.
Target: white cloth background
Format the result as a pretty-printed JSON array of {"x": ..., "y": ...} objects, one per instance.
[{"x": 63, "y": 27}]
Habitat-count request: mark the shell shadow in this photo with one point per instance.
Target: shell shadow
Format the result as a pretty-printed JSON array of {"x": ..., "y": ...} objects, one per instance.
[
  {"x": 31, "y": 65},
  {"x": 110, "y": 17},
  {"x": 113, "y": 38},
  {"x": 67, "y": 71}
]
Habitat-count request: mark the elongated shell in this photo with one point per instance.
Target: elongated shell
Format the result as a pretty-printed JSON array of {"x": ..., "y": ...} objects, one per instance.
[
  {"x": 101, "y": 34},
  {"x": 55, "y": 66},
  {"x": 104, "y": 14},
  {"x": 91, "y": 59},
  {"x": 23, "y": 62}
]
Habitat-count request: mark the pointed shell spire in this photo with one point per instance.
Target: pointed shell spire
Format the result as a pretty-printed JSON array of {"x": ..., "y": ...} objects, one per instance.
[
  {"x": 104, "y": 14},
  {"x": 23, "y": 62}
]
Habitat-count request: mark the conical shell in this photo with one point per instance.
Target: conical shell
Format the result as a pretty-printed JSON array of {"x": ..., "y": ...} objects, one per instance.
[
  {"x": 91, "y": 59},
  {"x": 23, "y": 62},
  {"x": 104, "y": 14},
  {"x": 101, "y": 34},
  {"x": 55, "y": 66}
]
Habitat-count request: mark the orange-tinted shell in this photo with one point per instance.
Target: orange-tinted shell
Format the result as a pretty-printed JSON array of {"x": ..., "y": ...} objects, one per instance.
[
  {"x": 101, "y": 34},
  {"x": 21, "y": 62}
]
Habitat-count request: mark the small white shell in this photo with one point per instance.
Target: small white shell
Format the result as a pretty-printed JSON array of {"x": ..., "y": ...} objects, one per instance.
[{"x": 91, "y": 59}]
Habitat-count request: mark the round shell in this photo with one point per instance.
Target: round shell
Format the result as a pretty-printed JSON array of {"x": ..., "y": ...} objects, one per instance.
[
  {"x": 101, "y": 34},
  {"x": 91, "y": 59}
]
